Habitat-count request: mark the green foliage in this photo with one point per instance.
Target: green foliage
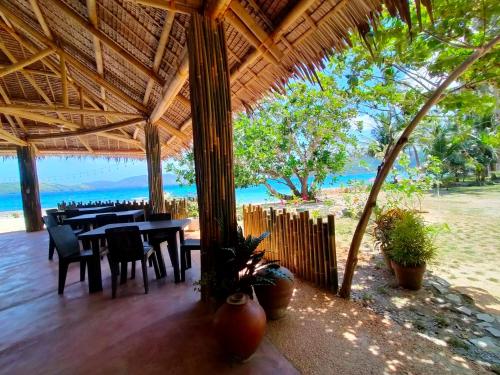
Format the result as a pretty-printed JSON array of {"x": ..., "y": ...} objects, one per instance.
[
  {"x": 384, "y": 223},
  {"x": 192, "y": 208},
  {"x": 236, "y": 267},
  {"x": 411, "y": 242}
]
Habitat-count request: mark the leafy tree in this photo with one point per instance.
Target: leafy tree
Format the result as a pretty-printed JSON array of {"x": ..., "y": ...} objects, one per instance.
[{"x": 297, "y": 138}]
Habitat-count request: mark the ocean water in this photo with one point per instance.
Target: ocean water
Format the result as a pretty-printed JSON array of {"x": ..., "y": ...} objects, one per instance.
[{"x": 256, "y": 194}]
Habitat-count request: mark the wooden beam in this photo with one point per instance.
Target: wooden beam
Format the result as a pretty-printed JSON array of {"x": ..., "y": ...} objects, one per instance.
[
  {"x": 82, "y": 152},
  {"x": 172, "y": 130},
  {"x": 71, "y": 60},
  {"x": 160, "y": 51},
  {"x": 153, "y": 158},
  {"x": 92, "y": 13},
  {"x": 170, "y": 90},
  {"x": 217, "y": 8},
  {"x": 8, "y": 101},
  {"x": 265, "y": 41},
  {"x": 21, "y": 64},
  {"x": 172, "y": 6},
  {"x": 122, "y": 52},
  {"x": 41, "y": 19},
  {"x": 72, "y": 110},
  {"x": 5, "y": 135},
  {"x": 64, "y": 81},
  {"x": 283, "y": 26},
  {"x": 99, "y": 129},
  {"x": 41, "y": 118},
  {"x": 34, "y": 71}
]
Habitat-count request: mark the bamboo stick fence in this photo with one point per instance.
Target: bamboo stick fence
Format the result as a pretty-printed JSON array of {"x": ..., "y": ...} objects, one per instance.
[
  {"x": 303, "y": 245},
  {"x": 177, "y": 207}
]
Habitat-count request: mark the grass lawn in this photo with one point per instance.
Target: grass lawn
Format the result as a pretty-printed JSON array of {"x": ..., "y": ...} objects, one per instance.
[{"x": 469, "y": 254}]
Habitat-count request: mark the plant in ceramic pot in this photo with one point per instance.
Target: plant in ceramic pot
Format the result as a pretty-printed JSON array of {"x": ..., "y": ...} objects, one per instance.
[
  {"x": 240, "y": 322},
  {"x": 274, "y": 297},
  {"x": 411, "y": 248},
  {"x": 383, "y": 224}
]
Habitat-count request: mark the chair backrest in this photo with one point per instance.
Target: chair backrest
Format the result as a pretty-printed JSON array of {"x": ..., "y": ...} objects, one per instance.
[
  {"x": 160, "y": 217},
  {"x": 65, "y": 240},
  {"x": 72, "y": 213},
  {"x": 124, "y": 244},
  {"x": 50, "y": 221},
  {"x": 105, "y": 219}
]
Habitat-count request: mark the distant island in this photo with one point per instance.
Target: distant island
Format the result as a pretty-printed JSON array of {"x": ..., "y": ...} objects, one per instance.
[{"x": 126, "y": 183}]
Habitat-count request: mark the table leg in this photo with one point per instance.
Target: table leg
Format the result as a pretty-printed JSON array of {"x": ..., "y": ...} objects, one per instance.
[
  {"x": 95, "y": 278},
  {"x": 161, "y": 261},
  {"x": 173, "y": 250}
]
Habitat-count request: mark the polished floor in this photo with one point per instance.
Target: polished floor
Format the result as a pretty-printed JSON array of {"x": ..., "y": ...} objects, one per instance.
[{"x": 167, "y": 331}]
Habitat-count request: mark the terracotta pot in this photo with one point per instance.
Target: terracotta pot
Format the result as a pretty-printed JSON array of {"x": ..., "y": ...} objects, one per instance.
[
  {"x": 388, "y": 262},
  {"x": 409, "y": 277},
  {"x": 239, "y": 326},
  {"x": 275, "y": 298}
]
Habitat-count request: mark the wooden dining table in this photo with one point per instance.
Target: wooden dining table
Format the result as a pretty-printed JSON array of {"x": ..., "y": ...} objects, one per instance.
[
  {"x": 88, "y": 219},
  {"x": 171, "y": 230}
]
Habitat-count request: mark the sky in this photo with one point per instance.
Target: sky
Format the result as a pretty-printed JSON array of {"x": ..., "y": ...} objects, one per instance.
[{"x": 73, "y": 171}]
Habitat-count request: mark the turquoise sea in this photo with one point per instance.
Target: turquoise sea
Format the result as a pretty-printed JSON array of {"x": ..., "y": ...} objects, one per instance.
[{"x": 257, "y": 194}]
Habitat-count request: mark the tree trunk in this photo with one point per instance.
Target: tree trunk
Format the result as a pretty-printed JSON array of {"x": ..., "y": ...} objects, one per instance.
[
  {"x": 30, "y": 193},
  {"x": 276, "y": 193},
  {"x": 155, "y": 179},
  {"x": 388, "y": 162},
  {"x": 417, "y": 158},
  {"x": 210, "y": 91}
]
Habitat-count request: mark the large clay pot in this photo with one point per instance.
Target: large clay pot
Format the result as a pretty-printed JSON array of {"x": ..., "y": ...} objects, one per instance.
[
  {"x": 409, "y": 277},
  {"x": 275, "y": 298},
  {"x": 240, "y": 325}
]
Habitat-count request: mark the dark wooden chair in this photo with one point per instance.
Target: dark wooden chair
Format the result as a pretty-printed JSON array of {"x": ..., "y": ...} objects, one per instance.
[
  {"x": 187, "y": 245},
  {"x": 105, "y": 219},
  {"x": 51, "y": 222},
  {"x": 156, "y": 239},
  {"x": 125, "y": 245},
  {"x": 53, "y": 212},
  {"x": 68, "y": 250}
]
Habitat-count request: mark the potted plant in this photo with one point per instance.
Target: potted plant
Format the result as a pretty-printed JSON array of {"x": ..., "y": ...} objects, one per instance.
[
  {"x": 383, "y": 225},
  {"x": 411, "y": 247},
  {"x": 240, "y": 322},
  {"x": 274, "y": 297}
]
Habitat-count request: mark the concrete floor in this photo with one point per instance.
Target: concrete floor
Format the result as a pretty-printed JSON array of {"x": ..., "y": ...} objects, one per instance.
[{"x": 167, "y": 331}]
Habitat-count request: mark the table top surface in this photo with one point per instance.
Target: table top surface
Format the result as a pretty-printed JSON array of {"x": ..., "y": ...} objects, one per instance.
[
  {"x": 92, "y": 216},
  {"x": 144, "y": 227},
  {"x": 85, "y": 209}
]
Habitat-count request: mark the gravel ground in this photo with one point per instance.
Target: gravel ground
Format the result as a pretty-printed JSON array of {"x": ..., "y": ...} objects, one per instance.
[{"x": 323, "y": 334}]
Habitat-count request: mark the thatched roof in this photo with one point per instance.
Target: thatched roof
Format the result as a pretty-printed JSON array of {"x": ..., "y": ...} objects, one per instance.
[{"x": 71, "y": 66}]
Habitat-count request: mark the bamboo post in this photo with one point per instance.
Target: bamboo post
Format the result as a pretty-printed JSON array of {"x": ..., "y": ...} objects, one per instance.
[
  {"x": 29, "y": 188},
  {"x": 210, "y": 94},
  {"x": 153, "y": 158},
  {"x": 333, "y": 253}
]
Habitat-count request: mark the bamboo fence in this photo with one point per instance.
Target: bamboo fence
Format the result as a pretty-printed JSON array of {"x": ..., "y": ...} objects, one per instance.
[
  {"x": 303, "y": 245},
  {"x": 177, "y": 207}
]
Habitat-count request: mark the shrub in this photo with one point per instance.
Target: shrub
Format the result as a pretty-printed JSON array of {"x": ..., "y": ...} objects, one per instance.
[
  {"x": 384, "y": 223},
  {"x": 411, "y": 241}
]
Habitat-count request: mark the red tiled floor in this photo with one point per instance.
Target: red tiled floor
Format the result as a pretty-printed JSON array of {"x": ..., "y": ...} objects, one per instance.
[{"x": 167, "y": 331}]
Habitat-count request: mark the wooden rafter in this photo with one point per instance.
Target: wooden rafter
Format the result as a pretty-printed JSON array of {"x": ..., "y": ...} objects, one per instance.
[
  {"x": 92, "y": 13},
  {"x": 265, "y": 42},
  {"x": 99, "y": 129},
  {"x": 4, "y": 134},
  {"x": 172, "y": 130},
  {"x": 108, "y": 41},
  {"x": 160, "y": 51},
  {"x": 172, "y": 6},
  {"x": 34, "y": 71},
  {"x": 40, "y": 18},
  {"x": 37, "y": 117},
  {"x": 64, "y": 82},
  {"x": 71, "y": 60},
  {"x": 72, "y": 110},
  {"x": 171, "y": 90},
  {"x": 21, "y": 64}
]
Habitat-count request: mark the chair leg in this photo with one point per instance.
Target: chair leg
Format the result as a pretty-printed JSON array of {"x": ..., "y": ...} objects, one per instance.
[
  {"x": 188, "y": 259},
  {"x": 83, "y": 266},
  {"x": 114, "y": 278},
  {"x": 52, "y": 247},
  {"x": 132, "y": 272},
  {"x": 155, "y": 264},
  {"x": 123, "y": 273},
  {"x": 63, "y": 271},
  {"x": 183, "y": 264},
  {"x": 150, "y": 262},
  {"x": 145, "y": 275}
]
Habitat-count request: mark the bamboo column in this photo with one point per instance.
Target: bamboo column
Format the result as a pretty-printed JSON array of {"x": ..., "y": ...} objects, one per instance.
[
  {"x": 153, "y": 158},
  {"x": 212, "y": 141},
  {"x": 29, "y": 188}
]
